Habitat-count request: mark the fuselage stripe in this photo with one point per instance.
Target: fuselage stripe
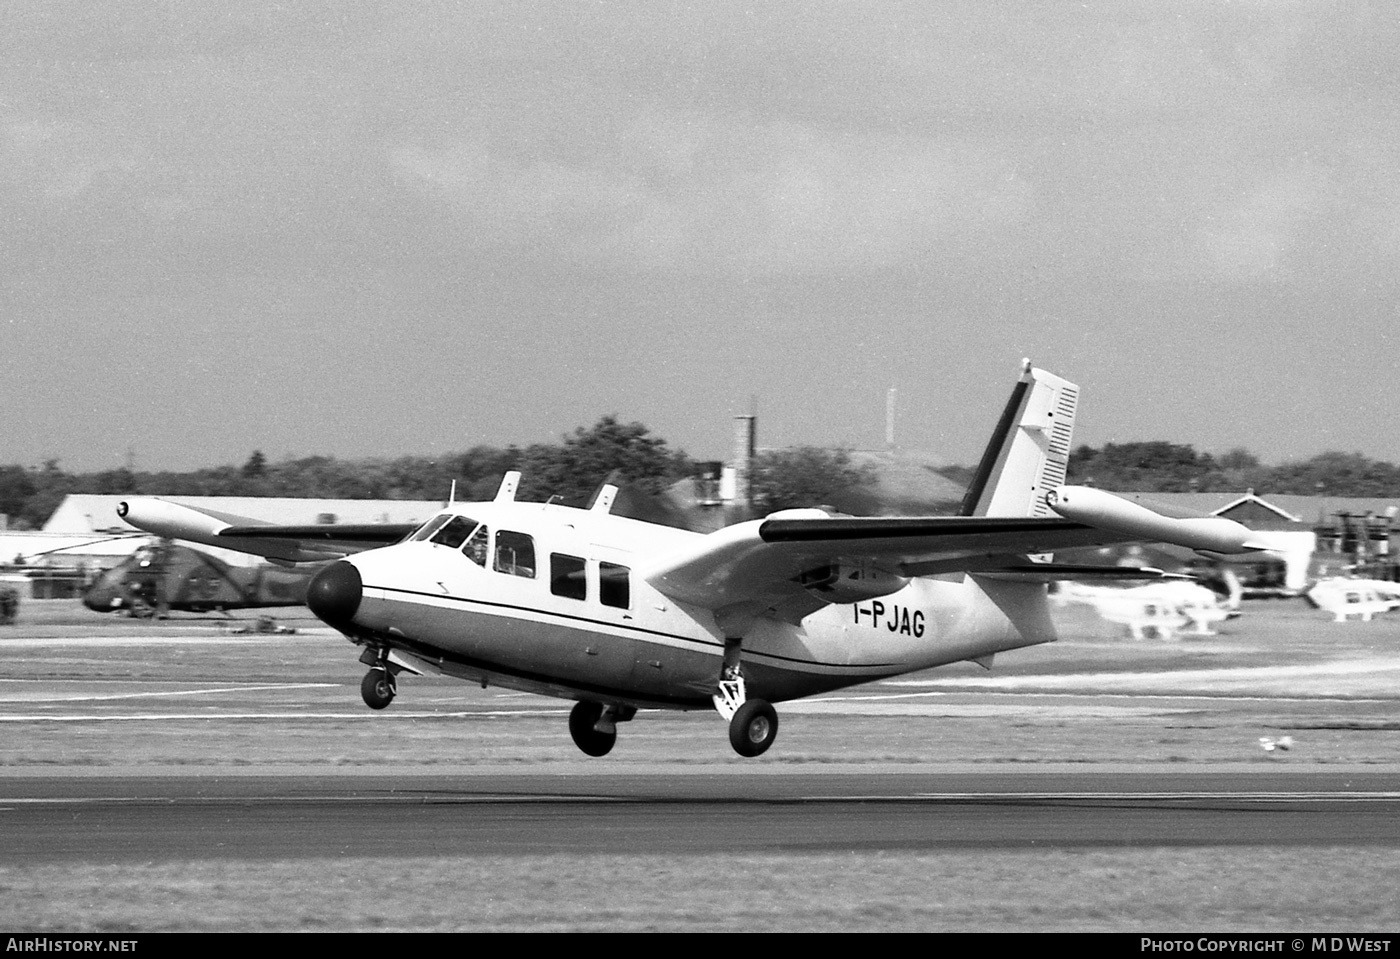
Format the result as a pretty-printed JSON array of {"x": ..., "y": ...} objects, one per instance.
[
  {"x": 710, "y": 645},
  {"x": 511, "y": 607}
]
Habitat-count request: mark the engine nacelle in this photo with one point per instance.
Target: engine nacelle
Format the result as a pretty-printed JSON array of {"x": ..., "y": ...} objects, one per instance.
[
  {"x": 172, "y": 520},
  {"x": 1094, "y": 507},
  {"x": 175, "y": 521},
  {"x": 842, "y": 583}
]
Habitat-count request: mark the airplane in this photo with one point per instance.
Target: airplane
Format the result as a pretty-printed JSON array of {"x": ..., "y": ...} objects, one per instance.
[
  {"x": 620, "y": 615},
  {"x": 162, "y": 576}
]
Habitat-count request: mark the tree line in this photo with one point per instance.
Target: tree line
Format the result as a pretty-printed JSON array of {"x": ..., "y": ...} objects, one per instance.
[
  {"x": 571, "y": 470},
  {"x": 1158, "y": 467},
  {"x": 629, "y": 455}
]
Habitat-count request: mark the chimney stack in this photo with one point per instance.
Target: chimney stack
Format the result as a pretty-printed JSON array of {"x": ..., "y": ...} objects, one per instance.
[
  {"x": 745, "y": 446},
  {"x": 889, "y": 419}
]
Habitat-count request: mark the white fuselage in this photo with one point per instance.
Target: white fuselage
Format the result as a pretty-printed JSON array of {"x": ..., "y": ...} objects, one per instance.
[
  {"x": 1160, "y": 608},
  {"x": 1344, "y": 597},
  {"x": 560, "y": 605}
]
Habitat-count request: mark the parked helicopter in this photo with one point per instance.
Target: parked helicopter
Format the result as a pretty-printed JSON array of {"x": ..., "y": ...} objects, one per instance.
[{"x": 163, "y": 576}]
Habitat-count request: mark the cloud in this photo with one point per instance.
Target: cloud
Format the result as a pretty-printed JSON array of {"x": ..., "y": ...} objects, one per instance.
[
  {"x": 1254, "y": 236},
  {"x": 56, "y": 162},
  {"x": 779, "y": 140},
  {"x": 690, "y": 192}
]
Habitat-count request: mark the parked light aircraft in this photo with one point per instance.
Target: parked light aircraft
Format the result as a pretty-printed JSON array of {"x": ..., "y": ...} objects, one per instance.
[{"x": 621, "y": 615}]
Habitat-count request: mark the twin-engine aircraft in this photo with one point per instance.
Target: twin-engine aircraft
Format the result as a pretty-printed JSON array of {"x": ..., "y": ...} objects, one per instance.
[{"x": 622, "y": 615}]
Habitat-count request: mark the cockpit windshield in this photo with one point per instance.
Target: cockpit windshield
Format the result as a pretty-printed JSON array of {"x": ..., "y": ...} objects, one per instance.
[
  {"x": 428, "y": 528},
  {"x": 454, "y": 532}
]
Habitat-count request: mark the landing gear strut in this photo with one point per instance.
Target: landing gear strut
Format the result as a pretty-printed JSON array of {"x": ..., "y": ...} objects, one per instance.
[{"x": 753, "y": 723}]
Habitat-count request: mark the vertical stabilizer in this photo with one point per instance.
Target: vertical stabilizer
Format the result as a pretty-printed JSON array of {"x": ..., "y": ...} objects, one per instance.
[{"x": 1029, "y": 451}]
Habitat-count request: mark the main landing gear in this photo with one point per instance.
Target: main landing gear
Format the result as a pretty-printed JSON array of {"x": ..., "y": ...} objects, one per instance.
[
  {"x": 753, "y": 727},
  {"x": 753, "y": 723},
  {"x": 583, "y": 722},
  {"x": 594, "y": 726}
]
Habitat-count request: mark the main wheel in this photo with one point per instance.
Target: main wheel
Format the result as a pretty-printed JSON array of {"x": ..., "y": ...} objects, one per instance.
[
  {"x": 581, "y": 721},
  {"x": 753, "y": 728},
  {"x": 377, "y": 688}
]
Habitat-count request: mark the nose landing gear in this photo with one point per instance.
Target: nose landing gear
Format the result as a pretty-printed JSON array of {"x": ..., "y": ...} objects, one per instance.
[
  {"x": 378, "y": 688},
  {"x": 380, "y": 685}
]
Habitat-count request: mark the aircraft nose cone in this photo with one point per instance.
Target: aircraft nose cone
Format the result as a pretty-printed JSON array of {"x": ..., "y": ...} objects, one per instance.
[{"x": 334, "y": 594}]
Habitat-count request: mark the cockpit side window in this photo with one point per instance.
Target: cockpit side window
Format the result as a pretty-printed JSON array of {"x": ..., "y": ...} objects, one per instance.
[
  {"x": 515, "y": 553},
  {"x": 455, "y": 532},
  {"x": 475, "y": 548},
  {"x": 430, "y": 527}
]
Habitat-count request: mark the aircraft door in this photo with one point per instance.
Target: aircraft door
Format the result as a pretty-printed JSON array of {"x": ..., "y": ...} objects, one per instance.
[
  {"x": 583, "y": 646},
  {"x": 614, "y": 597}
]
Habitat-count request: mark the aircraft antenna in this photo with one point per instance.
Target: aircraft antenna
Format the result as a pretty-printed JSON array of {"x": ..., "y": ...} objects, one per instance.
[{"x": 452, "y": 493}]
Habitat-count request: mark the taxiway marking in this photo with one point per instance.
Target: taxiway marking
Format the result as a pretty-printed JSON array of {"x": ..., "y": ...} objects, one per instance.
[
  {"x": 98, "y": 697},
  {"x": 355, "y": 714},
  {"x": 412, "y": 798}
]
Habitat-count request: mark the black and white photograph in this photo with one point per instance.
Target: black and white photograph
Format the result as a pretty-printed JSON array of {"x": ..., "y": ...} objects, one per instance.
[{"x": 672, "y": 467}]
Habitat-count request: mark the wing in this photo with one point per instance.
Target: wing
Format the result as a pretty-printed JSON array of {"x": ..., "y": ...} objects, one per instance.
[
  {"x": 290, "y": 544},
  {"x": 793, "y": 563}
]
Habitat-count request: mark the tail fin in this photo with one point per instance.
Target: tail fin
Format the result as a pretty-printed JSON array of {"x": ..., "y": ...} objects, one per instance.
[{"x": 1029, "y": 451}]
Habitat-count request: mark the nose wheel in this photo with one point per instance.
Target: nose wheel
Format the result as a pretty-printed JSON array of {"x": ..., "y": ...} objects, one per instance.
[{"x": 378, "y": 688}]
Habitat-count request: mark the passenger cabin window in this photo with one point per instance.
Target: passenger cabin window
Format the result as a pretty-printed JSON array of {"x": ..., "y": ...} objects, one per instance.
[
  {"x": 475, "y": 548},
  {"x": 566, "y": 576},
  {"x": 614, "y": 587},
  {"x": 515, "y": 553},
  {"x": 430, "y": 527},
  {"x": 455, "y": 532}
]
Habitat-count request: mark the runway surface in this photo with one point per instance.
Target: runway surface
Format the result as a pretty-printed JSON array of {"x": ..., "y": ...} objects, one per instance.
[
  {"x": 157, "y": 742},
  {"x": 117, "y": 819},
  {"x": 195, "y": 775}
]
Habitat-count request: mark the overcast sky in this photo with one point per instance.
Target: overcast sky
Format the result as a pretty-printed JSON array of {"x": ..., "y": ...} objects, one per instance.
[{"x": 379, "y": 229}]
